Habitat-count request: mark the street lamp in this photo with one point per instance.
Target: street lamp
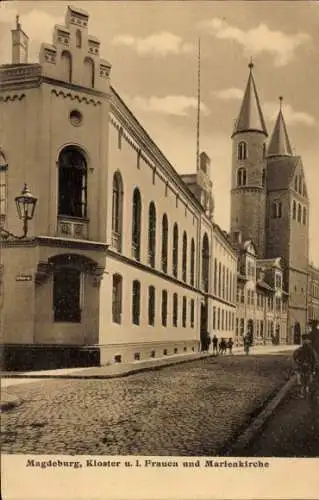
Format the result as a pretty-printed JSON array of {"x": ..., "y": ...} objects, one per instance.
[{"x": 26, "y": 204}]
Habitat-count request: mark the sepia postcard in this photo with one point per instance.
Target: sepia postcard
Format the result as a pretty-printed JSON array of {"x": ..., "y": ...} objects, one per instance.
[{"x": 159, "y": 249}]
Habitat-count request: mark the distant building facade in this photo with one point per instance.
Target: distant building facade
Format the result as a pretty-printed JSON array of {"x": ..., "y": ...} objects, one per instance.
[{"x": 313, "y": 295}]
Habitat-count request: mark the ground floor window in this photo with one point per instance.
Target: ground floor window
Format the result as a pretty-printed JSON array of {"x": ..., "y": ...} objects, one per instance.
[
  {"x": 192, "y": 313},
  {"x": 117, "y": 298},
  {"x": 66, "y": 295}
]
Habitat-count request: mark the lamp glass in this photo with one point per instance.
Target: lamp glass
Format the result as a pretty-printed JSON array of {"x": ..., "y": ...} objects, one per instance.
[{"x": 26, "y": 204}]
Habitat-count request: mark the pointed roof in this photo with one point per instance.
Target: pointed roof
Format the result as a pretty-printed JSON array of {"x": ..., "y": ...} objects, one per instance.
[
  {"x": 279, "y": 144},
  {"x": 250, "y": 117}
]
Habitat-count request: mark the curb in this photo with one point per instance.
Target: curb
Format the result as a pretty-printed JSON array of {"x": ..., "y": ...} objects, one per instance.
[{"x": 256, "y": 426}]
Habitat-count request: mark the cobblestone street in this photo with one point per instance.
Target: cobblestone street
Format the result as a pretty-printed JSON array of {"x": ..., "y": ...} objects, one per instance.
[{"x": 192, "y": 409}]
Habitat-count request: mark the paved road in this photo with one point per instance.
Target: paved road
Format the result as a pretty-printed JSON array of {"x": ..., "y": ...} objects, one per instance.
[
  {"x": 293, "y": 431},
  {"x": 189, "y": 409}
]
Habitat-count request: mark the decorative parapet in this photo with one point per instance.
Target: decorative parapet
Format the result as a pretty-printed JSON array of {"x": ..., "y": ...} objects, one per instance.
[
  {"x": 62, "y": 35},
  {"x": 93, "y": 45},
  {"x": 105, "y": 68},
  {"x": 75, "y": 97},
  {"x": 19, "y": 73},
  {"x": 48, "y": 53}
]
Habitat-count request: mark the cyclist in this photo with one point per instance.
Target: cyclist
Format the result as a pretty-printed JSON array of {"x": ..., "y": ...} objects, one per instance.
[{"x": 306, "y": 360}]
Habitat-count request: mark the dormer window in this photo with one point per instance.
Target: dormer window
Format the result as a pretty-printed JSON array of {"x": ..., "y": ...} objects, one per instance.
[{"x": 242, "y": 151}]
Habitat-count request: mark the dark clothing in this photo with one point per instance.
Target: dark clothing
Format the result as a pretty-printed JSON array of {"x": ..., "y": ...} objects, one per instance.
[{"x": 305, "y": 356}]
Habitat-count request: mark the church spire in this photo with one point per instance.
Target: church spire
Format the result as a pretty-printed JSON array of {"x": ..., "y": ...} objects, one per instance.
[
  {"x": 279, "y": 144},
  {"x": 250, "y": 116}
]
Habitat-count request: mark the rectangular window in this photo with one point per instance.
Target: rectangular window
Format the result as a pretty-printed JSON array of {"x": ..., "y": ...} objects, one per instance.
[
  {"x": 67, "y": 295},
  {"x": 3, "y": 192},
  {"x": 184, "y": 311},
  {"x": 214, "y": 318},
  {"x": 151, "y": 305},
  {"x": 175, "y": 309},
  {"x": 136, "y": 302},
  {"x": 117, "y": 298},
  {"x": 192, "y": 313},
  {"x": 164, "y": 308}
]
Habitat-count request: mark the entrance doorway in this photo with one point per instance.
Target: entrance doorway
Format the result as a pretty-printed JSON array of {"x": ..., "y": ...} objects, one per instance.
[
  {"x": 250, "y": 330},
  {"x": 297, "y": 333},
  {"x": 203, "y": 327}
]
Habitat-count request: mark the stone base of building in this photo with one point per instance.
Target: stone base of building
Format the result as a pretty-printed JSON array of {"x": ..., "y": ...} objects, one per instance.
[{"x": 34, "y": 357}]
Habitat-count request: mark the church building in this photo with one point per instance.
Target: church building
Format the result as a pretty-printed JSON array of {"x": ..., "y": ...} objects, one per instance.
[{"x": 270, "y": 206}]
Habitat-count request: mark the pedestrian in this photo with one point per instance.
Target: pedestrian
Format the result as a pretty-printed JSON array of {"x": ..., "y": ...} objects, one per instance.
[
  {"x": 223, "y": 345},
  {"x": 230, "y": 345},
  {"x": 215, "y": 345},
  {"x": 246, "y": 344},
  {"x": 220, "y": 346}
]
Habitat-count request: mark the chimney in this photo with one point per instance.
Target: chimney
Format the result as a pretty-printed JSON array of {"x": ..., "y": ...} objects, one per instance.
[{"x": 20, "y": 43}]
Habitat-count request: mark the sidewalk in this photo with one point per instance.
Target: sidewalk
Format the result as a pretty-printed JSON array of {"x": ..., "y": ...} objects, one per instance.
[{"x": 123, "y": 369}]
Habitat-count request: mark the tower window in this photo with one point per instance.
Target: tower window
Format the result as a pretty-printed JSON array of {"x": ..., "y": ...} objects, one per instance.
[
  {"x": 205, "y": 263},
  {"x": 304, "y": 215},
  {"x": 264, "y": 150},
  {"x": 263, "y": 177},
  {"x": 242, "y": 151},
  {"x": 294, "y": 210},
  {"x": 276, "y": 210},
  {"x": 241, "y": 177},
  {"x": 296, "y": 183},
  {"x": 299, "y": 212}
]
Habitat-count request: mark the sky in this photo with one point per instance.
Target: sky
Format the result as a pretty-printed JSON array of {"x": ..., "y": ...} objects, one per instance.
[{"x": 152, "y": 47}]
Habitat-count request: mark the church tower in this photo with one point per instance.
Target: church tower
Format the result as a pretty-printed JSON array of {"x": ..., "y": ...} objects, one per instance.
[
  {"x": 287, "y": 222},
  {"x": 248, "y": 193}
]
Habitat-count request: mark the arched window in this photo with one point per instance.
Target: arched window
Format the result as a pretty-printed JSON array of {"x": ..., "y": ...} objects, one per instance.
[
  {"x": 241, "y": 177},
  {"x": 184, "y": 260},
  {"x": 304, "y": 215},
  {"x": 117, "y": 298},
  {"x": 227, "y": 284},
  {"x": 175, "y": 250},
  {"x": 276, "y": 210},
  {"x": 151, "y": 305},
  {"x": 242, "y": 151},
  {"x": 136, "y": 224},
  {"x": 151, "y": 234},
  {"x": 72, "y": 183},
  {"x": 164, "y": 308},
  {"x": 205, "y": 263},
  {"x": 299, "y": 212},
  {"x": 66, "y": 66},
  {"x": 294, "y": 209},
  {"x": 3, "y": 187},
  {"x": 223, "y": 282},
  {"x": 88, "y": 73},
  {"x": 78, "y": 39},
  {"x": 136, "y": 302},
  {"x": 300, "y": 185},
  {"x": 175, "y": 309},
  {"x": 264, "y": 150},
  {"x": 117, "y": 211},
  {"x": 164, "y": 243},
  {"x": 192, "y": 262}
]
